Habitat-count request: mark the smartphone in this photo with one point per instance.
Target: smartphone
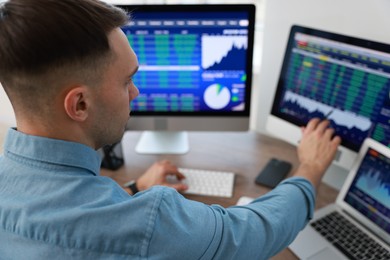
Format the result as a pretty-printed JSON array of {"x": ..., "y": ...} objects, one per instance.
[{"x": 273, "y": 173}]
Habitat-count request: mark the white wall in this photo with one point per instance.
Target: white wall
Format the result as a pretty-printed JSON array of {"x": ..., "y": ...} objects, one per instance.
[
  {"x": 7, "y": 116},
  {"x": 359, "y": 18}
]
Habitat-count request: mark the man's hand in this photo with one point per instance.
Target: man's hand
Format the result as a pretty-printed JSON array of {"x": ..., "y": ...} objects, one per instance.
[
  {"x": 157, "y": 175},
  {"x": 316, "y": 150}
]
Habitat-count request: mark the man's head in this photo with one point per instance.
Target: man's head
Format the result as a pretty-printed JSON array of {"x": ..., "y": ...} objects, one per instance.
[{"x": 56, "y": 61}]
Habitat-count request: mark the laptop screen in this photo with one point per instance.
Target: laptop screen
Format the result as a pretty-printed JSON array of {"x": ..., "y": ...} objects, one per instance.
[{"x": 369, "y": 192}]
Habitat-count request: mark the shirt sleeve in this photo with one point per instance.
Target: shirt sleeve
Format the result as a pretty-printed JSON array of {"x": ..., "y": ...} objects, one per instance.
[{"x": 186, "y": 229}]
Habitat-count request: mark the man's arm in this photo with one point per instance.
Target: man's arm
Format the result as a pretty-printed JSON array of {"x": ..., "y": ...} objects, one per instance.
[
  {"x": 316, "y": 150},
  {"x": 254, "y": 231}
]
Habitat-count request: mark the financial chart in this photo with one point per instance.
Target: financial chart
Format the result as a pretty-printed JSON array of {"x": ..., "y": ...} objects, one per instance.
[
  {"x": 197, "y": 64},
  {"x": 370, "y": 192},
  {"x": 351, "y": 86},
  {"x": 224, "y": 52}
]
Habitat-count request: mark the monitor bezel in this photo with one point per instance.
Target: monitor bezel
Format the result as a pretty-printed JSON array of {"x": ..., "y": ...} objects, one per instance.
[
  {"x": 206, "y": 8},
  {"x": 359, "y": 42}
]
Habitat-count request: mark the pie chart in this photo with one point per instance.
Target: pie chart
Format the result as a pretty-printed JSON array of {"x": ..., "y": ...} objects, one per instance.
[{"x": 217, "y": 96}]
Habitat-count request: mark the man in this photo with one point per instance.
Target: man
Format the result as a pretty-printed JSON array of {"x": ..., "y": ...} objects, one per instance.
[{"x": 67, "y": 68}]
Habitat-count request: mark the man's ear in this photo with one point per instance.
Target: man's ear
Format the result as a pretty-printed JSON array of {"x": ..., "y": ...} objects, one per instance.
[{"x": 76, "y": 103}]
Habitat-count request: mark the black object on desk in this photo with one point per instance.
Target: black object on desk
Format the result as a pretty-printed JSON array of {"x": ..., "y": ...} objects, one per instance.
[
  {"x": 273, "y": 173},
  {"x": 112, "y": 160}
]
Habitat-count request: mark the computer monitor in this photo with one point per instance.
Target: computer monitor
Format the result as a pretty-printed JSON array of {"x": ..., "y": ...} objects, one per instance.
[
  {"x": 195, "y": 71},
  {"x": 343, "y": 78}
]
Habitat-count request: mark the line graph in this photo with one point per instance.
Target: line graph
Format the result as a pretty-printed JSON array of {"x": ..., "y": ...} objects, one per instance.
[
  {"x": 347, "y": 119},
  {"x": 223, "y": 52},
  {"x": 374, "y": 183}
]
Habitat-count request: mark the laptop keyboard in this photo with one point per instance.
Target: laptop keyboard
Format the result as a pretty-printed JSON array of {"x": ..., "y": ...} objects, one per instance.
[{"x": 350, "y": 240}]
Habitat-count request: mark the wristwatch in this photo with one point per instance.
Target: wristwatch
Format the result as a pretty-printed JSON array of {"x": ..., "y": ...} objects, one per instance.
[{"x": 132, "y": 185}]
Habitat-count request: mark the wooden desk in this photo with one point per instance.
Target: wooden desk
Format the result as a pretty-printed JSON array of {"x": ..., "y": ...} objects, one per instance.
[{"x": 243, "y": 153}]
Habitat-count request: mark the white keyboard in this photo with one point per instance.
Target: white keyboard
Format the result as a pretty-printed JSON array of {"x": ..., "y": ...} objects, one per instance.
[{"x": 209, "y": 183}]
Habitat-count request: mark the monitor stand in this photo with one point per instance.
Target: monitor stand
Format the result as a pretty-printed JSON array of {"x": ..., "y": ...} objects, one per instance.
[
  {"x": 335, "y": 176},
  {"x": 163, "y": 142}
]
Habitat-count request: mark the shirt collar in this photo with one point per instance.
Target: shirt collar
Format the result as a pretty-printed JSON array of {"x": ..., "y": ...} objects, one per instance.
[{"x": 53, "y": 151}]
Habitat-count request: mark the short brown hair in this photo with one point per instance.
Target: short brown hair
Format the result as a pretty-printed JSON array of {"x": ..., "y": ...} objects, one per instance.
[{"x": 44, "y": 40}]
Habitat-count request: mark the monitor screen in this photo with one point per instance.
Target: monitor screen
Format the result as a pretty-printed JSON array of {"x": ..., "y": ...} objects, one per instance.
[
  {"x": 195, "y": 66},
  {"x": 370, "y": 190},
  {"x": 342, "y": 78}
]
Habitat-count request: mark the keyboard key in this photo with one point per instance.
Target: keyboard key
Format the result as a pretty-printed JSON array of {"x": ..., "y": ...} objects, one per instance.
[
  {"x": 350, "y": 240},
  {"x": 345, "y": 252}
]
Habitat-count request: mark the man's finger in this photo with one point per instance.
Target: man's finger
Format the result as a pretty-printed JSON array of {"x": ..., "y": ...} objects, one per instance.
[
  {"x": 329, "y": 133},
  {"x": 313, "y": 123},
  {"x": 323, "y": 126}
]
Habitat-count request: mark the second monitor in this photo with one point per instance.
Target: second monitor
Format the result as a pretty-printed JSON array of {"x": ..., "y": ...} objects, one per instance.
[
  {"x": 195, "y": 71},
  {"x": 340, "y": 77}
]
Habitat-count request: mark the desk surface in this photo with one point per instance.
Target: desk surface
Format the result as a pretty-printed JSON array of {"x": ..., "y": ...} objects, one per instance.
[{"x": 243, "y": 153}]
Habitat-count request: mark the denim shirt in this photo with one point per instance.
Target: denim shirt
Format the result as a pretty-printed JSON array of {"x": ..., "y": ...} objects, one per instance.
[{"x": 54, "y": 205}]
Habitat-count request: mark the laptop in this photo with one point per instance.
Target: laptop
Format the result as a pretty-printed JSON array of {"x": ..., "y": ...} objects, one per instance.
[{"x": 357, "y": 225}]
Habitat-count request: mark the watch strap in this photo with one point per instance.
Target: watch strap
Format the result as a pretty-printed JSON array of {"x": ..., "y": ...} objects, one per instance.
[{"x": 132, "y": 185}]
